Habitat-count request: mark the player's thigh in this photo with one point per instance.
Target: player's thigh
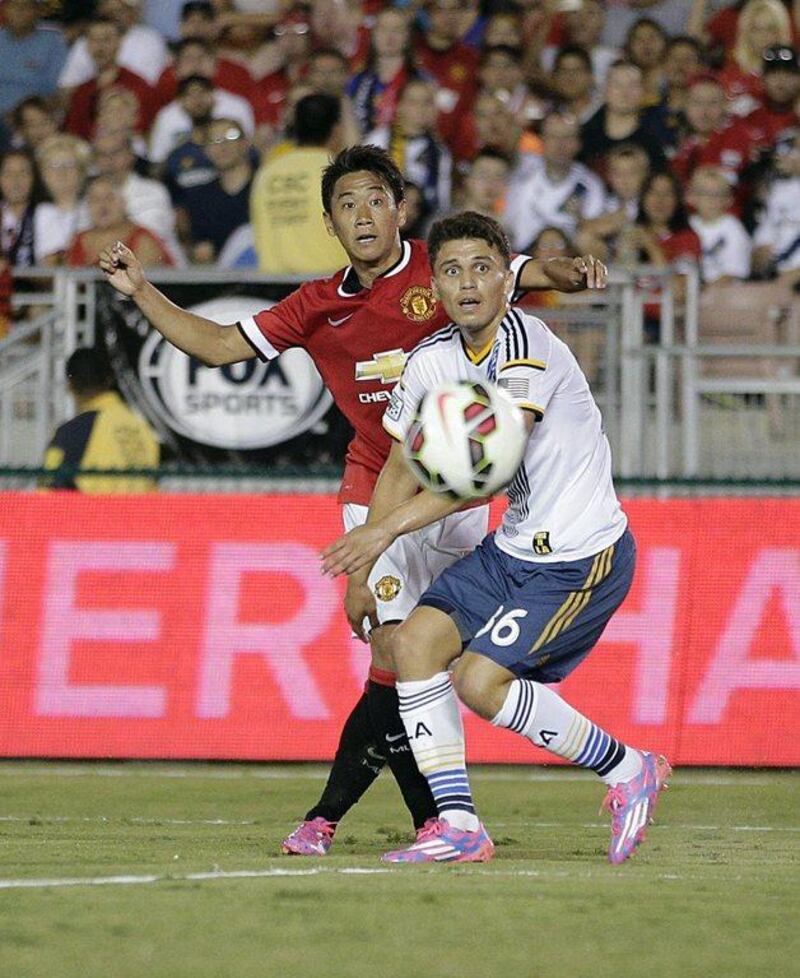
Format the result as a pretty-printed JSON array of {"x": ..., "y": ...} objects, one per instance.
[{"x": 556, "y": 613}]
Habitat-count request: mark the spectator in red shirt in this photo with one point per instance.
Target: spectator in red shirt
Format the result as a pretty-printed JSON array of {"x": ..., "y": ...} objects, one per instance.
[
  {"x": 109, "y": 224},
  {"x": 706, "y": 115},
  {"x": 762, "y": 23},
  {"x": 103, "y": 39},
  {"x": 194, "y": 56},
  {"x": 292, "y": 37},
  {"x": 766, "y": 124}
]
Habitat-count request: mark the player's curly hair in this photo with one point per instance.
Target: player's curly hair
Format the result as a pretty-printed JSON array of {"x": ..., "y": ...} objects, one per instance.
[
  {"x": 468, "y": 225},
  {"x": 353, "y": 159}
]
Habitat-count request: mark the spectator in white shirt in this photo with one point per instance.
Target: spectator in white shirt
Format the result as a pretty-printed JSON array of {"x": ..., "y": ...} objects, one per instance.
[
  {"x": 197, "y": 103},
  {"x": 777, "y": 234},
  {"x": 147, "y": 201},
  {"x": 726, "y": 245},
  {"x": 63, "y": 161},
  {"x": 628, "y": 168},
  {"x": 143, "y": 50},
  {"x": 557, "y": 191}
]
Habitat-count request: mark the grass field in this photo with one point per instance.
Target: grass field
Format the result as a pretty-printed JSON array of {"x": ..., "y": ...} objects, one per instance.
[{"x": 151, "y": 870}]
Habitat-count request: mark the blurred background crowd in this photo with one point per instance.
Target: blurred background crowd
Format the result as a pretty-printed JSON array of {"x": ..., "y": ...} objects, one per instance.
[{"x": 645, "y": 131}]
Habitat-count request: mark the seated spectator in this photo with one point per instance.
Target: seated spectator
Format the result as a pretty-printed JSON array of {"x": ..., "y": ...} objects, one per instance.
[
  {"x": 342, "y": 23},
  {"x": 661, "y": 237},
  {"x": 558, "y": 191},
  {"x": 503, "y": 28},
  {"x": 726, "y": 246},
  {"x": 142, "y": 51},
  {"x": 31, "y": 54},
  {"x": 18, "y": 198},
  {"x": 777, "y": 234},
  {"x": 104, "y": 434},
  {"x": 375, "y": 90},
  {"x": 501, "y": 73},
  {"x": 415, "y": 146},
  {"x": 712, "y": 139},
  {"x": 628, "y": 168},
  {"x": 767, "y": 125},
  {"x": 761, "y": 24},
  {"x": 493, "y": 125},
  {"x": 418, "y": 213},
  {"x": 646, "y": 47},
  {"x": 683, "y": 61},
  {"x": 63, "y": 161},
  {"x": 197, "y": 57},
  {"x": 583, "y": 27},
  {"x": 440, "y": 50},
  {"x": 199, "y": 21},
  {"x": 328, "y": 74},
  {"x": 147, "y": 201},
  {"x": 211, "y": 212},
  {"x": 622, "y": 120},
  {"x": 292, "y": 44},
  {"x": 485, "y": 185},
  {"x": 110, "y": 223},
  {"x": 117, "y": 111},
  {"x": 550, "y": 242},
  {"x": 33, "y": 123},
  {"x": 198, "y": 102},
  {"x": 103, "y": 39},
  {"x": 572, "y": 83},
  {"x": 285, "y": 207}
]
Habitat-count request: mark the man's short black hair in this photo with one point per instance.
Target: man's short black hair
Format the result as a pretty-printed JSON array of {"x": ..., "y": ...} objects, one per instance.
[
  {"x": 314, "y": 119},
  {"x": 204, "y": 7},
  {"x": 468, "y": 225},
  {"x": 354, "y": 159},
  {"x": 88, "y": 369},
  {"x": 200, "y": 80}
]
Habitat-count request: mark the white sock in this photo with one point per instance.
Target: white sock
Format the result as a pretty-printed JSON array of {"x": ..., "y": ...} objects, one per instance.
[
  {"x": 430, "y": 714},
  {"x": 539, "y": 714}
]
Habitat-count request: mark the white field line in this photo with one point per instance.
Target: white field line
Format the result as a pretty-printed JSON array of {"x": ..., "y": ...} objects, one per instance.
[
  {"x": 140, "y": 820},
  {"x": 142, "y": 880},
  {"x": 686, "y": 776}
]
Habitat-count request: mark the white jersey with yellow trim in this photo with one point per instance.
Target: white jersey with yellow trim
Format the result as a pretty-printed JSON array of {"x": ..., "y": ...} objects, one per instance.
[{"x": 562, "y": 503}]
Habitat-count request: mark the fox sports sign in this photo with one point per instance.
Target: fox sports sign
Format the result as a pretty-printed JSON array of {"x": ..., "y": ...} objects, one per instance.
[{"x": 240, "y": 406}]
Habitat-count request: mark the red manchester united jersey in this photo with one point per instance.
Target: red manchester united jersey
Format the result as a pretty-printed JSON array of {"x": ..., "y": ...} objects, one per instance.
[{"x": 359, "y": 339}]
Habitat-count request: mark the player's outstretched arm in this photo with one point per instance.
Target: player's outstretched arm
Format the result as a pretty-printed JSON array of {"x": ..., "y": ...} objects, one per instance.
[
  {"x": 215, "y": 345},
  {"x": 396, "y": 508},
  {"x": 563, "y": 274}
]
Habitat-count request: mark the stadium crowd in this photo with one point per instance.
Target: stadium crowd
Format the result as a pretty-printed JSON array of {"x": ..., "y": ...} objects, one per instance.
[{"x": 656, "y": 131}]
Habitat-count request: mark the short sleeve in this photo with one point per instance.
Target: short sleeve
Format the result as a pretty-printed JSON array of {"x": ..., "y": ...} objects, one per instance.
[
  {"x": 407, "y": 394},
  {"x": 518, "y": 262},
  {"x": 277, "y": 329},
  {"x": 525, "y": 369}
]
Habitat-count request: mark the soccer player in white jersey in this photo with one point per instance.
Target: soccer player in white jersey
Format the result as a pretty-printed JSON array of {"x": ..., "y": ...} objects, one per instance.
[{"x": 523, "y": 609}]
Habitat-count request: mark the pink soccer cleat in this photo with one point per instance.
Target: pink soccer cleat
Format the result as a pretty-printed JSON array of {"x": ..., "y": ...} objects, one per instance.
[
  {"x": 440, "y": 842},
  {"x": 632, "y": 804},
  {"x": 312, "y": 838}
]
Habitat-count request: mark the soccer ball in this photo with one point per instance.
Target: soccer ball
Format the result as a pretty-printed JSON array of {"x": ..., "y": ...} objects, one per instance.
[{"x": 466, "y": 439}]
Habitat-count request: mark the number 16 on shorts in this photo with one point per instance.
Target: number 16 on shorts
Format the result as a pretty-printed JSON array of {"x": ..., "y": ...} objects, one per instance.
[{"x": 503, "y": 627}]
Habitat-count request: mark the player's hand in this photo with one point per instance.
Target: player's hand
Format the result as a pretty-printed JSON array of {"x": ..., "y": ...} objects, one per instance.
[
  {"x": 574, "y": 274},
  {"x": 122, "y": 268},
  {"x": 356, "y": 549},
  {"x": 359, "y": 604}
]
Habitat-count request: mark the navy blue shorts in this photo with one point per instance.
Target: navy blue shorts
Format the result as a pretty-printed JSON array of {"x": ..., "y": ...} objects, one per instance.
[{"x": 538, "y": 620}]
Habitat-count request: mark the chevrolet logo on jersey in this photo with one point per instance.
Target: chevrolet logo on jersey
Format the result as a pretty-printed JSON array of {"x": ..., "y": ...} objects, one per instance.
[{"x": 386, "y": 367}]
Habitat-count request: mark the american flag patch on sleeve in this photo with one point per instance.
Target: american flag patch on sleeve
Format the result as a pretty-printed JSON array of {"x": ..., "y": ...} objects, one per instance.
[{"x": 517, "y": 387}]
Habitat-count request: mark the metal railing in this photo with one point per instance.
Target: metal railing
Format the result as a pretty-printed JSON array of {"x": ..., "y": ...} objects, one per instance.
[{"x": 665, "y": 417}]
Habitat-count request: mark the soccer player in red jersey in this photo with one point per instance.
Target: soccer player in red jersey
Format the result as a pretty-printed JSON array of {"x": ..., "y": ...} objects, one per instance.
[{"x": 358, "y": 326}]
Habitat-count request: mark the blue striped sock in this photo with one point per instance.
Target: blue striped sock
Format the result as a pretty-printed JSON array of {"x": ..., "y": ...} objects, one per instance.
[
  {"x": 536, "y": 712},
  {"x": 430, "y": 714}
]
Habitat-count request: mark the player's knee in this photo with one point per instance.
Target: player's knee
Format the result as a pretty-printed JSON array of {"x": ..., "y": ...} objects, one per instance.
[
  {"x": 472, "y": 689},
  {"x": 381, "y": 647},
  {"x": 407, "y": 651}
]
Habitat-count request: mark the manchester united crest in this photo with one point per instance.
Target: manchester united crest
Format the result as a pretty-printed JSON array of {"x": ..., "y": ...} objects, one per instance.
[
  {"x": 388, "y": 588},
  {"x": 418, "y": 303}
]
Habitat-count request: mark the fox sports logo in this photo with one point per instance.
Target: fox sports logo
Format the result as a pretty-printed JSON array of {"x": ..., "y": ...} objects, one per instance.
[{"x": 240, "y": 406}]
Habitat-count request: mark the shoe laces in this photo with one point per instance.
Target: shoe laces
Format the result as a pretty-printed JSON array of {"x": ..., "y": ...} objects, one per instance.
[
  {"x": 432, "y": 828},
  {"x": 319, "y": 826},
  {"x": 614, "y": 800}
]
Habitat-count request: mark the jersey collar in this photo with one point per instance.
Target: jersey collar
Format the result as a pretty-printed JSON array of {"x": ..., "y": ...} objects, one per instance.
[{"x": 350, "y": 284}]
